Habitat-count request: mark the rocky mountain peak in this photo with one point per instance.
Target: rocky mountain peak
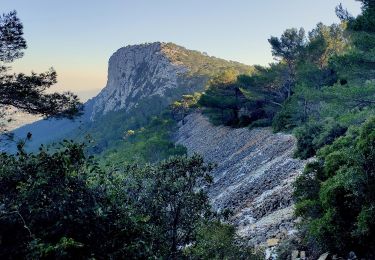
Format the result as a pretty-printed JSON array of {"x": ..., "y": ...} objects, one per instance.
[{"x": 137, "y": 73}]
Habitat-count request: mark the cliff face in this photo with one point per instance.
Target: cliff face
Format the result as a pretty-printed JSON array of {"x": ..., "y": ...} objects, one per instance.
[
  {"x": 253, "y": 177},
  {"x": 142, "y": 72},
  {"x": 134, "y": 73}
]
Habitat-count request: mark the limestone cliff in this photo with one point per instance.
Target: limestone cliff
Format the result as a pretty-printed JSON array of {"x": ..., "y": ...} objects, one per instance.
[
  {"x": 141, "y": 72},
  {"x": 253, "y": 177},
  {"x": 136, "y": 72}
]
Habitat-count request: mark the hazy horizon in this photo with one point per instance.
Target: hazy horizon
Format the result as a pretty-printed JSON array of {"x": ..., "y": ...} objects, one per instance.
[{"x": 77, "y": 39}]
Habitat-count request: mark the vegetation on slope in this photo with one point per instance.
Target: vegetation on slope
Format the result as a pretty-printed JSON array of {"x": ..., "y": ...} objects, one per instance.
[
  {"x": 148, "y": 144},
  {"x": 335, "y": 195},
  {"x": 200, "y": 63}
]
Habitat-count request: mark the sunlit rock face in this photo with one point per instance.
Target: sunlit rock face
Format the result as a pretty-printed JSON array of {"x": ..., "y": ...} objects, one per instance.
[
  {"x": 134, "y": 73},
  {"x": 160, "y": 72},
  {"x": 253, "y": 178}
]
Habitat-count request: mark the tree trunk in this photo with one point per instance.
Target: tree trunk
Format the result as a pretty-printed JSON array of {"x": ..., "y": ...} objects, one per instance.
[{"x": 174, "y": 234}]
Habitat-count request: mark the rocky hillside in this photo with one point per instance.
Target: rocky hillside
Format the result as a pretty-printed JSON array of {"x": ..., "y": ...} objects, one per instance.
[
  {"x": 253, "y": 177},
  {"x": 134, "y": 73},
  {"x": 142, "y": 80},
  {"x": 142, "y": 72}
]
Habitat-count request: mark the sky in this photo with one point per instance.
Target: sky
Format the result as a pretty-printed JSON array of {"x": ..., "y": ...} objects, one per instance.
[{"x": 77, "y": 37}]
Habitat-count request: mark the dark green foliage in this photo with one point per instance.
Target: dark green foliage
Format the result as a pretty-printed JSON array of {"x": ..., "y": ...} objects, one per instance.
[
  {"x": 49, "y": 209},
  {"x": 305, "y": 137},
  {"x": 217, "y": 241},
  {"x": 11, "y": 37},
  {"x": 314, "y": 77},
  {"x": 283, "y": 121},
  {"x": 181, "y": 108},
  {"x": 328, "y": 58},
  {"x": 223, "y": 99},
  {"x": 285, "y": 92},
  {"x": 335, "y": 195},
  {"x": 324, "y": 42},
  {"x": 267, "y": 87},
  {"x": 366, "y": 20},
  {"x": 356, "y": 66},
  {"x": 289, "y": 46},
  {"x": 168, "y": 193},
  {"x": 61, "y": 205},
  {"x": 315, "y": 135},
  {"x": 238, "y": 102},
  {"x": 151, "y": 143}
]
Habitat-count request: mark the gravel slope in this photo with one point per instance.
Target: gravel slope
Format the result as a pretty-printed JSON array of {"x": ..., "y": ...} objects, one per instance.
[{"x": 253, "y": 178}]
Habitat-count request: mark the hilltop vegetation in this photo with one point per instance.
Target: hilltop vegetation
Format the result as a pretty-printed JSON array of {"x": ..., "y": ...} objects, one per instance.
[{"x": 200, "y": 63}]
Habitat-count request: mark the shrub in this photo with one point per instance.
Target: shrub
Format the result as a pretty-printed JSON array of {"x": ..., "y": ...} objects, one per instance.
[
  {"x": 48, "y": 209},
  {"x": 335, "y": 195},
  {"x": 314, "y": 135},
  {"x": 282, "y": 121}
]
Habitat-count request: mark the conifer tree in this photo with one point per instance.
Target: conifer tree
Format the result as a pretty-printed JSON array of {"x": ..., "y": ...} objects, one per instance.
[{"x": 28, "y": 92}]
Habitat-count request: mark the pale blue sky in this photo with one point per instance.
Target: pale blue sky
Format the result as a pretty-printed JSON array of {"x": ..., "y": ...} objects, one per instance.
[{"x": 77, "y": 37}]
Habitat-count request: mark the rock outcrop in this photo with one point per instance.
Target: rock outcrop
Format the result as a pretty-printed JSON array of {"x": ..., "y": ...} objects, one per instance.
[
  {"x": 253, "y": 178},
  {"x": 136, "y": 72},
  {"x": 142, "y": 72}
]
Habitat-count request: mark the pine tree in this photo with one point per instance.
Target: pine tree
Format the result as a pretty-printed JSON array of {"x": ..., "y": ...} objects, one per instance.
[{"x": 23, "y": 92}]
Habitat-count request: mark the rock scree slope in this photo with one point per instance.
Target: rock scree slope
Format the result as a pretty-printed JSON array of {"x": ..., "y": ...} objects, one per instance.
[{"x": 253, "y": 178}]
